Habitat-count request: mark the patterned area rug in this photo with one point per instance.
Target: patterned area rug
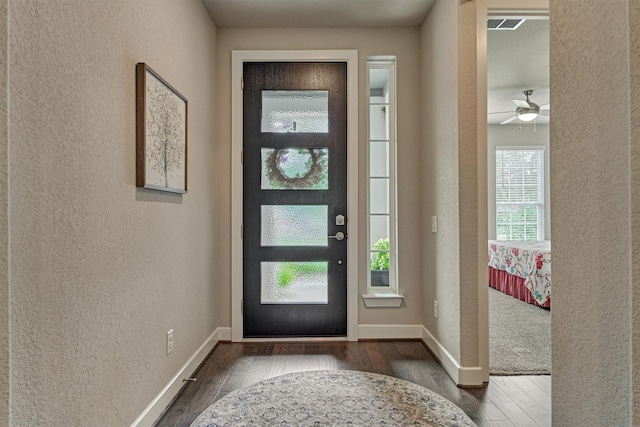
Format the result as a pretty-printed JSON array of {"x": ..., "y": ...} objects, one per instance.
[{"x": 333, "y": 398}]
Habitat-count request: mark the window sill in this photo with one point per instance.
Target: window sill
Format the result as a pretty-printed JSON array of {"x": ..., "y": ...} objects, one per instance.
[{"x": 382, "y": 299}]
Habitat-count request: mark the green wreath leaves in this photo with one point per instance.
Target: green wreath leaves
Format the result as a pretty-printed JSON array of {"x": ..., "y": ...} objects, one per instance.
[{"x": 314, "y": 178}]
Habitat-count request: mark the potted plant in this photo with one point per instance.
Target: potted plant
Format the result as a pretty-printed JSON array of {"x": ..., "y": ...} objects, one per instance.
[{"x": 380, "y": 263}]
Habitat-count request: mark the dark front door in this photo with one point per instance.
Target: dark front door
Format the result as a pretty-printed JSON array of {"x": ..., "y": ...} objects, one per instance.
[{"x": 295, "y": 199}]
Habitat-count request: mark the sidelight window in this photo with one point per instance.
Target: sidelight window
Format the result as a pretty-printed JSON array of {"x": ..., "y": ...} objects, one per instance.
[{"x": 381, "y": 134}]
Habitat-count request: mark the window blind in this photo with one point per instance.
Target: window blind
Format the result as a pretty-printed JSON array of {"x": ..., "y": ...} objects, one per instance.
[{"x": 519, "y": 194}]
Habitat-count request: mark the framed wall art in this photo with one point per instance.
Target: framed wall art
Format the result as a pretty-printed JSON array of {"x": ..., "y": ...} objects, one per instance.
[{"x": 161, "y": 133}]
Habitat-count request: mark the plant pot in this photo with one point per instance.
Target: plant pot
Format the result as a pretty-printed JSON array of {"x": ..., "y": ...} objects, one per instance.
[{"x": 379, "y": 277}]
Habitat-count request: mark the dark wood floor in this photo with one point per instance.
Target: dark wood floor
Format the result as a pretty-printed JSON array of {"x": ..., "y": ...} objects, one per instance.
[{"x": 506, "y": 401}]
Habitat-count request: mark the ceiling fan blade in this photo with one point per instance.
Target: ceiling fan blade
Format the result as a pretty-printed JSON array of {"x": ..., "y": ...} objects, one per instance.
[
  {"x": 545, "y": 107},
  {"x": 502, "y": 112},
  {"x": 521, "y": 103},
  {"x": 509, "y": 120},
  {"x": 545, "y": 113}
]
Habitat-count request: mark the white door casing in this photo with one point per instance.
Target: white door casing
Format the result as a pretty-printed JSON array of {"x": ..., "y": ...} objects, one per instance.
[{"x": 238, "y": 57}]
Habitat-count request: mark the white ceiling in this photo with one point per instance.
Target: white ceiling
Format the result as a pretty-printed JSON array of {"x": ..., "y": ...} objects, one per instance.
[{"x": 517, "y": 60}]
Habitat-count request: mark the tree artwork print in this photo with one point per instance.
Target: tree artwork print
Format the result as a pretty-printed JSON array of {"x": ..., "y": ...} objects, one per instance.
[
  {"x": 165, "y": 135},
  {"x": 162, "y": 134}
]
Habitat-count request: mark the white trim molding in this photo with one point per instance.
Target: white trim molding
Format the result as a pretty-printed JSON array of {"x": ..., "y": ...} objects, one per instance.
[
  {"x": 171, "y": 390},
  {"x": 238, "y": 57},
  {"x": 463, "y": 376},
  {"x": 390, "y": 332},
  {"x": 516, "y": 6},
  {"x": 382, "y": 299},
  {"x": 532, "y": 9}
]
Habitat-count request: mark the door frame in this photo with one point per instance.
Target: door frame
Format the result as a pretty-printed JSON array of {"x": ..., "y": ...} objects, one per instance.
[
  {"x": 482, "y": 10},
  {"x": 238, "y": 58}
]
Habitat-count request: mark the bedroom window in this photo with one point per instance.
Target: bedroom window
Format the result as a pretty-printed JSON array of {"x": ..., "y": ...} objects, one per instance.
[
  {"x": 381, "y": 148},
  {"x": 519, "y": 193}
]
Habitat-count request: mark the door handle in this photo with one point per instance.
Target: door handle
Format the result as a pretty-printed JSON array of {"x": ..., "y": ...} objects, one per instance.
[{"x": 339, "y": 236}]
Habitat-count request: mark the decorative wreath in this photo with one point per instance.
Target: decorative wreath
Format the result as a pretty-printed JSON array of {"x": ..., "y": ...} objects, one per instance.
[{"x": 314, "y": 175}]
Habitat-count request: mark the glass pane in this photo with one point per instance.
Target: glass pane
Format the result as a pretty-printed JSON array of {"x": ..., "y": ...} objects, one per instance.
[
  {"x": 379, "y": 261},
  {"x": 531, "y": 214},
  {"x": 294, "y": 225},
  {"x": 295, "y": 169},
  {"x": 519, "y": 175},
  {"x": 502, "y": 232},
  {"x": 379, "y": 122},
  {"x": 294, "y": 282},
  {"x": 379, "y": 229},
  {"x": 379, "y": 195},
  {"x": 379, "y": 85},
  {"x": 379, "y": 159},
  {"x": 517, "y": 222},
  {"x": 530, "y": 193},
  {"x": 295, "y": 111},
  {"x": 531, "y": 232}
]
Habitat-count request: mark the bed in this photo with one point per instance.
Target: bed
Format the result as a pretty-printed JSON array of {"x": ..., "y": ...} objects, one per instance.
[{"x": 522, "y": 270}]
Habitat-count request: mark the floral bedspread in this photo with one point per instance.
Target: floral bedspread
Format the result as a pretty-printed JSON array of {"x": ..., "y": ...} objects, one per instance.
[{"x": 529, "y": 260}]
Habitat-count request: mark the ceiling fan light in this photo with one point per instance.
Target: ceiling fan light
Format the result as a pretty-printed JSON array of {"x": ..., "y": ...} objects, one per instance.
[{"x": 527, "y": 117}]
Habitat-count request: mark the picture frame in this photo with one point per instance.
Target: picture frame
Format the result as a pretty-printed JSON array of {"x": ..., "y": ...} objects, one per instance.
[{"x": 161, "y": 133}]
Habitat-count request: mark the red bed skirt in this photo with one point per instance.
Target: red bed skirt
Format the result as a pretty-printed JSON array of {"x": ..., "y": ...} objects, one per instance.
[{"x": 513, "y": 285}]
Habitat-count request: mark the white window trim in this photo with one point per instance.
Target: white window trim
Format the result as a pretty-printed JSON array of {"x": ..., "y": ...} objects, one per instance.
[{"x": 384, "y": 296}]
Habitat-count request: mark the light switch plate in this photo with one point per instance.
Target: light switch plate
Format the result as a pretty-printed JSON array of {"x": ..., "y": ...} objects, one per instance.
[{"x": 434, "y": 224}]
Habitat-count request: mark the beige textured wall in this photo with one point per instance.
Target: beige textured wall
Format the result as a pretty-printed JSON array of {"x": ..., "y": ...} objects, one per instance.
[
  {"x": 590, "y": 210},
  {"x": 440, "y": 133},
  {"x": 404, "y": 43},
  {"x": 4, "y": 218},
  {"x": 634, "y": 100},
  {"x": 472, "y": 182},
  {"x": 101, "y": 270}
]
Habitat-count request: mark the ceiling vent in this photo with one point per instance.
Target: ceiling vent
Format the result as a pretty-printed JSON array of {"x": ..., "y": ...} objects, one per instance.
[{"x": 503, "y": 24}]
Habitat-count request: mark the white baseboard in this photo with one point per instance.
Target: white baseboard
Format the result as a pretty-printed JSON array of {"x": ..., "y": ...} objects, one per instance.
[
  {"x": 462, "y": 376},
  {"x": 384, "y": 332},
  {"x": 164, "y": 398},
  {"x": 224, "y": 334}
]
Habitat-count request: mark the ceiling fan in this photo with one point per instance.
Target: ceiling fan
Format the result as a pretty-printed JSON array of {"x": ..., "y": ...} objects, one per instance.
[{"x": 526, "y": 110}]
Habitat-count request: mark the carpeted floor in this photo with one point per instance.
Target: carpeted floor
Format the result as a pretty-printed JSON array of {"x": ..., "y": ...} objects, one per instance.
[
  {"x": 331, "y": 398},
  {"x": 519, "y": 337}
]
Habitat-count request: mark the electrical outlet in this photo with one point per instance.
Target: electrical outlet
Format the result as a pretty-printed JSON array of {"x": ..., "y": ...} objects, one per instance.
[
  {"x": 169, "y": 342},
  {"x": 435, "y": 308}
]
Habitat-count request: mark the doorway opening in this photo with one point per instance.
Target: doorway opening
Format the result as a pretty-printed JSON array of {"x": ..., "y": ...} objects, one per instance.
[{"x": 518, "y": 96}]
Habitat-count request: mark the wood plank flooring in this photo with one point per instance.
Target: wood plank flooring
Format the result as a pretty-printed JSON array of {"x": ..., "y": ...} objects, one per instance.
[{"x": 506, "y": 401}]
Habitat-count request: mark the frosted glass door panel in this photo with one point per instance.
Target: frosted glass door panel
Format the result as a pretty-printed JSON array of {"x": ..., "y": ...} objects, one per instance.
[
  {"x": 295, "y": 111},
  {"x": 379, "y": 159},
  {"x": 379, "y": 195},
  {"x": 294, "y": 225},
  {"x": 379, "y": 122},
  {"x": 294, "y": 282},
  {"x": 295, "y": 169}
]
